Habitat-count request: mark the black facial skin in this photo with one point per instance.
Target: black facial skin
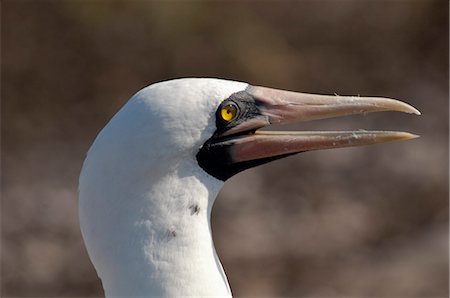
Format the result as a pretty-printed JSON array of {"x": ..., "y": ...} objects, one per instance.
[
  {"x": 247, "y": 109},
  {"x": 214, "y": 157}
]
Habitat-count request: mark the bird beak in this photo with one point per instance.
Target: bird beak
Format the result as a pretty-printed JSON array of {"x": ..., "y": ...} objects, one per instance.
[
  {"x": 246, "y": 146},
  {"x": 283, "y": 107}
]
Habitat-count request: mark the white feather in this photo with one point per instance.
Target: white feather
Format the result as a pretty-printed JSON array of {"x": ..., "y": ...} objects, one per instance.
[{"x": 145, "y": 204}]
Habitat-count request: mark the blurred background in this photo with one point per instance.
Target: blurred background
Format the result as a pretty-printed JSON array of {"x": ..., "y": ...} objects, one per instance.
[{"x": 360, "y": 222}]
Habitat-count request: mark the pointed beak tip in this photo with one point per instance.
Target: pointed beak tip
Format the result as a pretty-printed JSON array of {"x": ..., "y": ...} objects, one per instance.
[
  {"x": 415, "y": 111},
  {"x": 413, "y": 136},
  {"x": 402, "y": 106},
  {"x": 403, "y": 136}
]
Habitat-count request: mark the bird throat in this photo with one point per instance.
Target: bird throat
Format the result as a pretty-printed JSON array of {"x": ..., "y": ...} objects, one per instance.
[{"x": 162, "y": 245}]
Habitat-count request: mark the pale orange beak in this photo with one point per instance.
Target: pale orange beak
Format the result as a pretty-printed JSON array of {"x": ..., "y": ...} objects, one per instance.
[
  {"x": 282, "y": 107},
  {"x": 241, "y": 145}
]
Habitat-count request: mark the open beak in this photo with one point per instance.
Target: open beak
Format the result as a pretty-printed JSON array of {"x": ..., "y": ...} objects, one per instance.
[
  {"x": 246, "y": 146},
  {"x": 282, "y": 107}
]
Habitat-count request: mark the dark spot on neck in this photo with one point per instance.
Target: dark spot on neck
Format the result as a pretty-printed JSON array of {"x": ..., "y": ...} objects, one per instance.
[
  {"x": 195, "y": 209},
  {"x": 171, "y": 233}
]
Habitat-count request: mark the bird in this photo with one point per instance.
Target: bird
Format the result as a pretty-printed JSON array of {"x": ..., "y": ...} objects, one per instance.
[{"x": 151, "y": 177}]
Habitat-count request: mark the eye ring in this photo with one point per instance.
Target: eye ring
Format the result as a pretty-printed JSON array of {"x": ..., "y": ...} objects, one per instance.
[{"x": 228, "y": 112}]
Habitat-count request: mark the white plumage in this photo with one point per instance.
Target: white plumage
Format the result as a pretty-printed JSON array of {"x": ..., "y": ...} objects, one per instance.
[{"x": 139, "y": 181}]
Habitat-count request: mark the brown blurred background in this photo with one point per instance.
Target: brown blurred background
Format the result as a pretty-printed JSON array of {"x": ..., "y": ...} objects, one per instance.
[{"x": 361, "y": 222}]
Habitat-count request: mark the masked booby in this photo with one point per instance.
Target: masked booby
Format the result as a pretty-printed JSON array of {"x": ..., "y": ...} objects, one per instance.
[{"x": 151, "y": 177}]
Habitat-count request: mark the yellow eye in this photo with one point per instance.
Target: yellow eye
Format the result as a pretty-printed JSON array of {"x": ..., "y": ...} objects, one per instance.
[{"x": 228, "y": 112}]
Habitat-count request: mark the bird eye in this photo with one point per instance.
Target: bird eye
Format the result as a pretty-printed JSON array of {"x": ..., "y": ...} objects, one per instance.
[{"x": 228, "y": 112}]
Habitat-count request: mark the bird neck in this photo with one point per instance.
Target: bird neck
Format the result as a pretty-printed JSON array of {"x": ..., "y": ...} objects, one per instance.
[{"x": 156, "y": 242}]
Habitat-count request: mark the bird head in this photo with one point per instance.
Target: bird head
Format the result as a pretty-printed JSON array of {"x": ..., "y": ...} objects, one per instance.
[{"x": 219, "y": 125}]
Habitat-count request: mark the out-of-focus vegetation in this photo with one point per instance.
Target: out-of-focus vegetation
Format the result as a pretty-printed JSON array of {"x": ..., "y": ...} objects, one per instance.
[{"x": 361, "y": 222}]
